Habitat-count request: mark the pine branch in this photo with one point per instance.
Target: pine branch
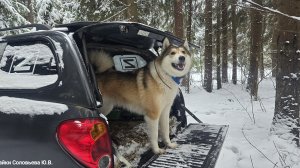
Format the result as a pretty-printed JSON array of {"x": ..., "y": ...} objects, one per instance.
[{"x": 107, "y": 19}]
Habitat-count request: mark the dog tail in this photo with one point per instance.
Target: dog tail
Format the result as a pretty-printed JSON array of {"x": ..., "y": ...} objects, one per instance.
[{"x": 101, "y": 60}]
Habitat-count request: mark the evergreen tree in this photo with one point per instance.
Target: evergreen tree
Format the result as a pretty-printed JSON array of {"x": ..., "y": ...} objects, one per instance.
[
  {"x": 287, "y": 102},
  {"x": 11, "y": 13},
  {"x": 48, "y": 12}
]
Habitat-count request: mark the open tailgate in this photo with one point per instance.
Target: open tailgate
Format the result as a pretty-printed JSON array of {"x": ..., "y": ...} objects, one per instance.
[{"x": 199, "y": 147}]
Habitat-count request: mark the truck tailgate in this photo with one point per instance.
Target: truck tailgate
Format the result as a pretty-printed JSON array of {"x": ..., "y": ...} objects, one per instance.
[{"x": 199, "y": 146}]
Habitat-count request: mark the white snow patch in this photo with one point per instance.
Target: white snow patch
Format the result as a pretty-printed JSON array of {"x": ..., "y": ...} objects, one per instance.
[
  {"x": 28, "y": 53},
  {"x": 285, "y": 77},
  {"x": 59, "y": 52},
  {"x": 294, "y": 76},
  {"x": 230, "y": 106},
  {"x": 104, "y": 117},
  {"x": 11, "y": 105},
  {"x": 25, "y": 81}
]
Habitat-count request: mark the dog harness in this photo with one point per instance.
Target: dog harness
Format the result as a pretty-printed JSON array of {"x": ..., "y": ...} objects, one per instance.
[{"x": 177, "y": 79}]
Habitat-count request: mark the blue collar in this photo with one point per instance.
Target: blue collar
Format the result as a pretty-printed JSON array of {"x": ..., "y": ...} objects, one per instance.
[{"x": 177, "y": 79}]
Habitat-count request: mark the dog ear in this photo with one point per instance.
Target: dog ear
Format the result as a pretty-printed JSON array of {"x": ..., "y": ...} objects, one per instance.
[
  {"x": 186, "y": 44},
  {"x": 166, "y": 43}
]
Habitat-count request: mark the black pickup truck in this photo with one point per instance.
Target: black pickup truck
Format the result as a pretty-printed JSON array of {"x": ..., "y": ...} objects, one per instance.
[{"x": 50, "y": 113}]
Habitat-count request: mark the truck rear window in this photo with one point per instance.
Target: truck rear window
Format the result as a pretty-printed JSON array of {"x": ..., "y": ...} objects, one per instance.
[{"x": 29, "y": 66}]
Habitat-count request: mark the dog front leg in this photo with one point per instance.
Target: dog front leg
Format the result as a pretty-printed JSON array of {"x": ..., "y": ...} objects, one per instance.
[
  {"x": 164, "y": 123},
  {"x": 152, "y": 125}
]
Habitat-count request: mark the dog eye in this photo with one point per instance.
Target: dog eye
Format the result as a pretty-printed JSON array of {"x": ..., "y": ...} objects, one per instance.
[
  {"x": 173, "y": 53},
  {"x": 183, "y": 52}
]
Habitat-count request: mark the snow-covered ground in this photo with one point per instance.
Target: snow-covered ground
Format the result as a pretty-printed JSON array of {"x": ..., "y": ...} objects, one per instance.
[{"x": 248, "y": 144}]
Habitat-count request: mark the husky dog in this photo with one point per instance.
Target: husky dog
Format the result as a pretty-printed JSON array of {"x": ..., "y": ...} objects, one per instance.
[{"x": 149, "y": 92}]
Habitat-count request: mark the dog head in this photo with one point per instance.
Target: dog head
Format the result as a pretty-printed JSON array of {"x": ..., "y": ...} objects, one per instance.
[{"x": 175, "y": 60}]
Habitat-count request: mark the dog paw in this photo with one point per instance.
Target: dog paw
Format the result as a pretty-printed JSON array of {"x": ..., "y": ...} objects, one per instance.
[
  {"x": 159, "y": 151},
  {"x": 172, "y": 145}
]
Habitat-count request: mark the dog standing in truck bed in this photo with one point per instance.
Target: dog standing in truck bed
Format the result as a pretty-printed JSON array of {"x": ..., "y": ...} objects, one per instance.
[{"x": 150, "y": 91}]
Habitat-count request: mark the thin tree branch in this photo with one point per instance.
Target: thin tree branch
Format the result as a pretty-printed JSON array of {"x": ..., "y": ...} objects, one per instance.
[
  {"x": 261, "y": 104},
  {"x": 239, "y": 103},
  {"x": 272, "y": 10},
  {"x": 253, "y": 116},
  {"x": 107, "y": 19},
  {"x": 274, "y": 84},
  {"x": 251, "y": 162},
  {"x": 252, "y": 8},
  {"x": 275, "y": 164},
  {"x": 266, "y": 75},
  {"x": 280, "y": 156}
]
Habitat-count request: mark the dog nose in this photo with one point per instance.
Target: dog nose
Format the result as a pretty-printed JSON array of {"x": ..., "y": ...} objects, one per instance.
[{"x": 181, "y": 58}]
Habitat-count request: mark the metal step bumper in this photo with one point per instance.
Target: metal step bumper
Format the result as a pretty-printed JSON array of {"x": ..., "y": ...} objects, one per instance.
[{"x": 199, "y": 146}]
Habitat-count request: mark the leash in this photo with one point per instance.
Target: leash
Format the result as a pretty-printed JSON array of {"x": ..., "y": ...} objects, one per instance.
[
  {"x": 160, "y": 76},
  {"x": 175, "y": 79},
  {"x": 190, "y": 113}
]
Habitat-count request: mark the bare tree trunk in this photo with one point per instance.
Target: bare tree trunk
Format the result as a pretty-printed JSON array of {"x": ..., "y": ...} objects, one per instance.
[
  {"x": 234, "y": 43},
  {"x": 218, "y": 46},
  {"x": 30, "y": 16},
  {"x": 131, "y": 12},
  {"x": 287, "y": 102},
  {"x": 255, "y": 50},
  {"x": 178, "y": 17},
  {"x": 274, "y": 49},
  {"x": 189, "y": 38},
  {"x": 261, "y": 65},
  {"x": 224, "y": 41},
  {"x": 189, "y": 21},
  {"x": 208, "y": 46},
  {"x": 179, "y": 32},
  {"x": 261, "y": 58}
]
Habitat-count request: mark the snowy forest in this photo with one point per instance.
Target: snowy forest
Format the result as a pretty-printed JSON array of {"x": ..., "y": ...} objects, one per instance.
[{"x": 243, "y": 44}]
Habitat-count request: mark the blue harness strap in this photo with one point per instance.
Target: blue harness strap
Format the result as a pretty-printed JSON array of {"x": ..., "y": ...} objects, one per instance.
[{"x": 177, "y": 79}]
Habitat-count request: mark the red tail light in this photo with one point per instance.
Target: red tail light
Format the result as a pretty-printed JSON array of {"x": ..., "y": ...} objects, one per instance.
[{"x": 88, "y": 141}]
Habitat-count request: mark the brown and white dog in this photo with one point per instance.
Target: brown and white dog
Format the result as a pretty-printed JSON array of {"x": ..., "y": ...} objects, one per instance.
[{"x": 149, "y": 92}]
